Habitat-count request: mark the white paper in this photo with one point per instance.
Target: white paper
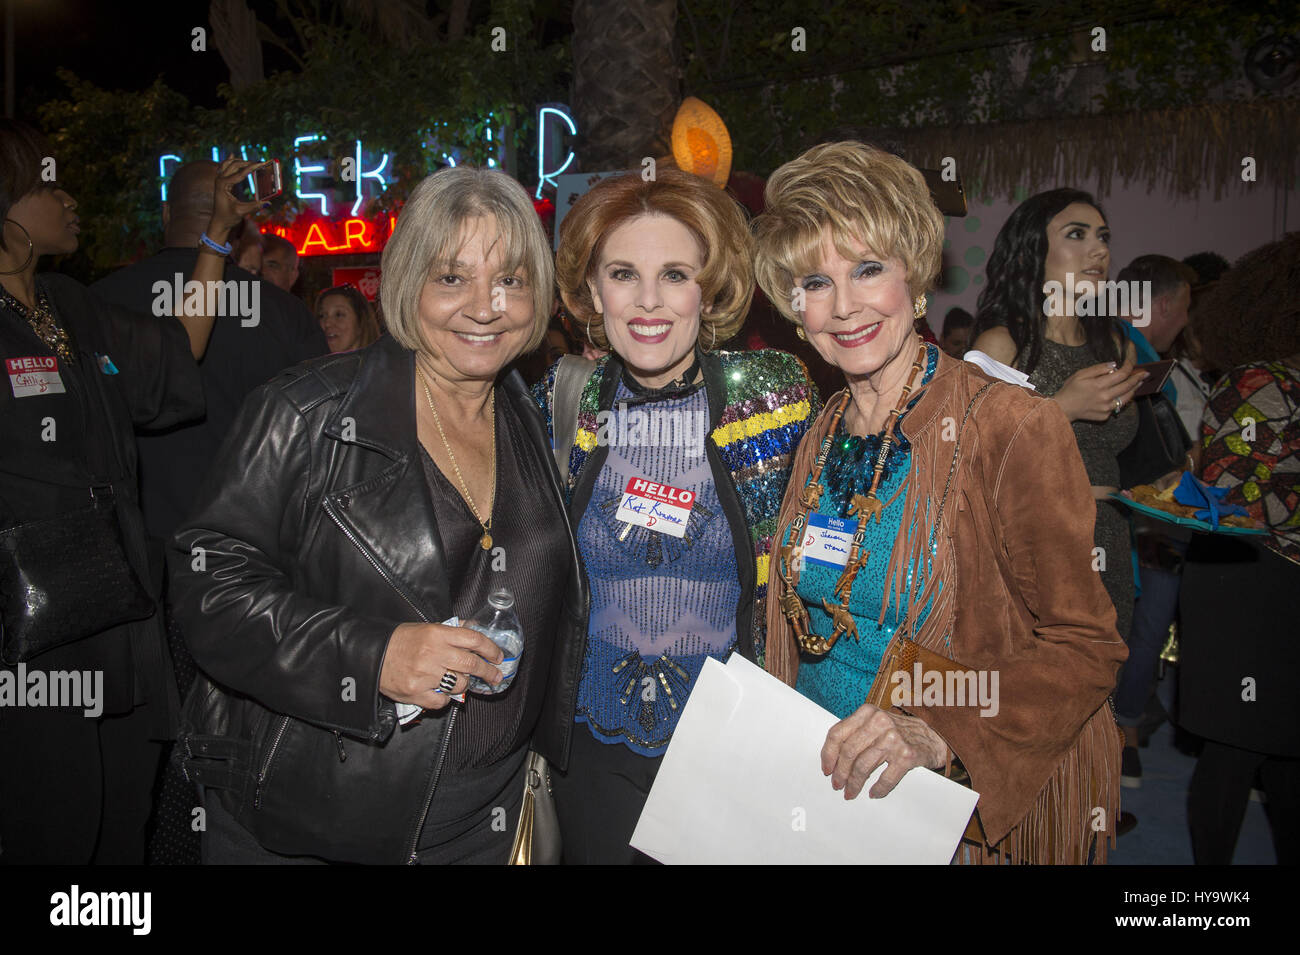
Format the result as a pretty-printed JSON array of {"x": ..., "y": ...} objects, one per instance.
[
  {"x": 996, "y": 369},
  {"x": 741, "y": 783}
]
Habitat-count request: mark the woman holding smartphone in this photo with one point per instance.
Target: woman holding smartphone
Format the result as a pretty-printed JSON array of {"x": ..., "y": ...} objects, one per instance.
[{"x": 1085, "y": 363}]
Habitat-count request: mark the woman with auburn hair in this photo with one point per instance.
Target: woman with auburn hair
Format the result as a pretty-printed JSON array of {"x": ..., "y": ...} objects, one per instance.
[
  {"x": 365, "y": 503},
  {"x": 933, "y": 514},
  {"x": 677, "y": 455}
]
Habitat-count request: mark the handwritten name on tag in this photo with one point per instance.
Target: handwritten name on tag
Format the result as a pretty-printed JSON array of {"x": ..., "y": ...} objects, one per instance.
[
  {"x": 828, "y": 540},
  {"x": 660, "y": 507},
  {"x": 34, "y": 376}
]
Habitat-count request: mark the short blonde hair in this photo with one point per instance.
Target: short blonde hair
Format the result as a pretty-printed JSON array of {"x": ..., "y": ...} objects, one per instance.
[
  {"x": 858, "y": 194},
  {"x": 429, "y": 228},
  {"x": 716, "y": 220}
]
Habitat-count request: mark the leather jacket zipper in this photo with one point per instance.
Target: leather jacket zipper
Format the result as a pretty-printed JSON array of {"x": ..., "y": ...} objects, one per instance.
[
  {"x": 266, "y": 763},
  {"x": 428, "y": 798},
  {"x": 451, "y": 720}
]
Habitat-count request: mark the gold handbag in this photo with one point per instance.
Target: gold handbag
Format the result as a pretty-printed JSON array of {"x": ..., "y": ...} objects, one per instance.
[{"x": 537, "y": 839}]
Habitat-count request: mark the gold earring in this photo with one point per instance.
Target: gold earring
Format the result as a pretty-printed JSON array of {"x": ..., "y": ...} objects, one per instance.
[
  {"x": 31, "y": 248},
  {"x": 800, "y": 332},
  {"x": 919, "y": 306}
]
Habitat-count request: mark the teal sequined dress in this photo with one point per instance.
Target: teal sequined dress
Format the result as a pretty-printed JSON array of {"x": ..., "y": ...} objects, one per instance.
[{"x": 839, "y": 681}]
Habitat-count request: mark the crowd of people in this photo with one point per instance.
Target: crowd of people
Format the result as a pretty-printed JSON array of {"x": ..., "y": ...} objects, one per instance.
[{"x": 269, "y": 532}]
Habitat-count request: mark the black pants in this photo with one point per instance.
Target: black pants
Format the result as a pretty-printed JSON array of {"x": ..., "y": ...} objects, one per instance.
[
  {"x": 74, "y": 790},
  {"x": 1216, "y": 802},
  {"x": 600, "y": 799}
]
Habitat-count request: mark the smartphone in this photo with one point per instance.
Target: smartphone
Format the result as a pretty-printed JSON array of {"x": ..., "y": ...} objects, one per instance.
[
  {"x": 1159, "y": 372},
  {"x": 266, "y": 177},
  {"x": 947, "y": 194}
]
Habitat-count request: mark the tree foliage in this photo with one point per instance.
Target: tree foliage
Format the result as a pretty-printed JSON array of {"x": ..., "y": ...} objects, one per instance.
[
  {"x": 350, "y": 85},
  {"x": 916, "y": 63}
]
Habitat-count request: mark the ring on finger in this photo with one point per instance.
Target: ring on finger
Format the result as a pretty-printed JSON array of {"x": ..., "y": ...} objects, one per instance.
[
  {"x": 1119, "y": 405},
  {"x": 448, "y": 681}
]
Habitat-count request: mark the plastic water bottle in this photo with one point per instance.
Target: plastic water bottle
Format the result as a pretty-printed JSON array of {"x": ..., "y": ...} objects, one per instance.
[{"x": 498, "y": 622}]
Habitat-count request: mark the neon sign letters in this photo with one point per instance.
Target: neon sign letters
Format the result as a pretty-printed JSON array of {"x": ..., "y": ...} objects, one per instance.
[{"x": 332, "y": 200}]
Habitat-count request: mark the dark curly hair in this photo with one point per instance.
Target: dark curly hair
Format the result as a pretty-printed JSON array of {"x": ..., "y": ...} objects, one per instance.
[
  {"x": 1013, "y": 297},
  {"x": 1252, "y": 313}
]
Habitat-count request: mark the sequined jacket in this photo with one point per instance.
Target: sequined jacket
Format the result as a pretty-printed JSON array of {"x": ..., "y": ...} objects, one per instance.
[{"x": 760, "y": 405}]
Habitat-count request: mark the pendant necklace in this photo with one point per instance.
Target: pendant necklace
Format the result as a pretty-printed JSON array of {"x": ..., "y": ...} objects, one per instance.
[{"x": 486, "y": 540}]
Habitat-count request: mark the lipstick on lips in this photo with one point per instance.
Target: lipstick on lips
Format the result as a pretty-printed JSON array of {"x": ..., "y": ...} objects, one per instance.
[
  {"x": 649, "y": 331},
  {"x": 859, "y": 336}
]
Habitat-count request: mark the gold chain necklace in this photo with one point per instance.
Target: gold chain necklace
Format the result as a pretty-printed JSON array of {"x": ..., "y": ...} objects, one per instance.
[
  {"x": 864, "y": 506},
  {"x": 486, "y": 540}
]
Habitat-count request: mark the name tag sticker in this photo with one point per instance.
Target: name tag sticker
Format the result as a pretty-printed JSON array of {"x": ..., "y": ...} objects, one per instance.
[
  {"x": 828, "y": 540},
  {"x": 660, "y": 507},
  {"x": 34, "y": 376}
]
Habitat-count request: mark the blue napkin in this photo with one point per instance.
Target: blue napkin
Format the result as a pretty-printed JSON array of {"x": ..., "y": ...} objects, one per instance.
[{"x": 1194, "y": 493}]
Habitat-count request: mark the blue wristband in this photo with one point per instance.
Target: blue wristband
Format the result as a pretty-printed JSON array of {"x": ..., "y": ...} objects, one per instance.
[{"x": 223, "y": 249}]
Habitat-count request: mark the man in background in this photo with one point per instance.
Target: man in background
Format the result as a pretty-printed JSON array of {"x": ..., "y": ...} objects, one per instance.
[
  {"x": 1160, "y": 547},
  {"x": 957, "y": 325},
  {"x": 279, "y": 262},
  {"x": 245, "y": 350},
  {"x": 1171, "y": 295}
]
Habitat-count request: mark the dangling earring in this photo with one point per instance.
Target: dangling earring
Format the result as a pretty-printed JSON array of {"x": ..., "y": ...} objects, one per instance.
[
  {"x": 800, "y": 332},
  {"x": 589, "y": 338},
  {"x": 919, "y": 306},
  {"x": 31, "y": 249},
  {"x": 714, "y": 340}
]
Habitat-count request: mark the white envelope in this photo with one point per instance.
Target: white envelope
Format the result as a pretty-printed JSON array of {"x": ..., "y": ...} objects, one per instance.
[{"x": 741, "y": 782}]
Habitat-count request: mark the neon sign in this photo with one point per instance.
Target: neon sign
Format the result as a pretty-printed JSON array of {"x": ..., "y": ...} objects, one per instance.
[
  {"x": 331, "y": 201},
  {"x": 549, "y": 146},
  {"x": 313, "y": 235}
]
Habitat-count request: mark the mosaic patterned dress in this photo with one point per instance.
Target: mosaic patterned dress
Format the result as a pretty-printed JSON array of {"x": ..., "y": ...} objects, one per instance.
[{"x": 1251, "y": 436}]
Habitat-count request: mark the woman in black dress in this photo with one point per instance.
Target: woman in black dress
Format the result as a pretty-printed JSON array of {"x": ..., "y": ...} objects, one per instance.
[
  {"x": 75, "y": 780},
  {"x": 1084, "y": 363}
]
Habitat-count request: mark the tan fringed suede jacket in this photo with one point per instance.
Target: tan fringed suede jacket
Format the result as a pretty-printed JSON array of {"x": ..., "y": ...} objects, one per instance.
[{"x": 1012, "y": 582}]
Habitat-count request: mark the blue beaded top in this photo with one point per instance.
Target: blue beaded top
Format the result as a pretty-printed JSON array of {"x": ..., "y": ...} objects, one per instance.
[
  {"x": 660, "y": 605},
  {"x": 840, "y": 680}
]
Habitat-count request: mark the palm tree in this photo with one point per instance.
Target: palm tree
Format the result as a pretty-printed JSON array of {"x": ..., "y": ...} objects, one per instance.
[{"x": 625, "y": 80}]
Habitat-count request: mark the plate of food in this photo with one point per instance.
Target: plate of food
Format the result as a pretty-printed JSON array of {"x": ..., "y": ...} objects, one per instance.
[{"x": 1147, "y": 499}]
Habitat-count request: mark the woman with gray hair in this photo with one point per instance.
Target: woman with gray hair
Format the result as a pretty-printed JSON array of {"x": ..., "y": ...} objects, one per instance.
[{"x": 363, "y": 503}]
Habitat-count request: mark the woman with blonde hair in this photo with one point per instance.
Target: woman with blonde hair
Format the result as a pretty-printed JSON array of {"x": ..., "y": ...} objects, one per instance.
[
  {"x": 937, "y": 516},
  {"x": 676, "y": 456}
]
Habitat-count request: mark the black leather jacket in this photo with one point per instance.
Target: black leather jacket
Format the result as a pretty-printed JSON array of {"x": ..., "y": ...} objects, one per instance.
[{"x": 316, "y": 539}]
